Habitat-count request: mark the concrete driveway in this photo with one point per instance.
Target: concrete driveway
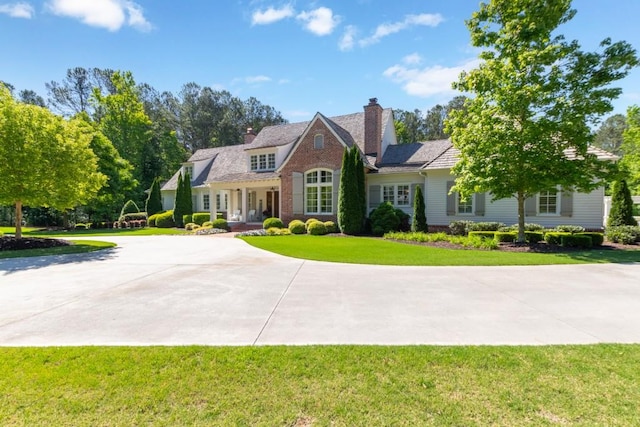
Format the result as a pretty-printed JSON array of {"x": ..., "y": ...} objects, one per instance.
[{"x": 217, "y": 290}]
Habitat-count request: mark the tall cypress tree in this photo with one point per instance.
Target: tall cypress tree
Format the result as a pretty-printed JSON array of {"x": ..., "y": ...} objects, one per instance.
[
  {"x": 419, "y": 220},
  {"x": 186, "y": 193},
  {"x": 347, "y": 201},
  {"x": 178, "y": 209},
  {"x": 621, "y": 205},
  {"x": 154, "y": 200},
  {"x": 361, "y": 190}
]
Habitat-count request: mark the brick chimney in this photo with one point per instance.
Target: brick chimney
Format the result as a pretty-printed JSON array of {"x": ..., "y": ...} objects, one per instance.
[
  {"x": 249, "y": 136},
  {"x": 373, "y": 129}
]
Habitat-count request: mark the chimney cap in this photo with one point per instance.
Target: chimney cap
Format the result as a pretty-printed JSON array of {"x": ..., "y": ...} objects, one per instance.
[
  {"x": 250, "y": 131},
  {"x": 373, "y": 101}
]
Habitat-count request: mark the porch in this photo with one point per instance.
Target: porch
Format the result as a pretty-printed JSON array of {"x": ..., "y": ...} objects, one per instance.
[{"x": 246, "y": 202}]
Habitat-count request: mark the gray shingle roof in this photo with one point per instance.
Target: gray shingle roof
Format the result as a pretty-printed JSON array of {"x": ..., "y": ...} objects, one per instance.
[{"x": 411, "y": 157}]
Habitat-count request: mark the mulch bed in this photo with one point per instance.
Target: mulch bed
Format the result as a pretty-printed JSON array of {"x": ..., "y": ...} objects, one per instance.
[
  {"x": 541, "y": 247},
  {"x": 10, "y": 243}
]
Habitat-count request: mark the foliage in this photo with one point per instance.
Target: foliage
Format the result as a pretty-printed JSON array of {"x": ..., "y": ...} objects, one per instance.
[
  {"x": 533, "y": 236},
  {"x": 275, "y": 231},
  {"x": 153, "y": 204},
  {"x": 505, "y": 236},
  {"x": 220, "y": 223},
  {"x": 384, "y": 219},
  {"x": 609, "y": 135},
  {"x": 350, "y": 218},
  {"x": 151, "y": 221},
  {"x": 331, "y": 227},
  {"x": 272, "y": 222},
  {"x": 483, "y": 234},
  {"x": 570, "y": 228},
  {"x": 630, "y": 163},
  {"x": 201, "y": 217},
  {"x": 310, "y": 220},
  {"x": 44, "y": 159},
  {"x": 416, "y": 126},
  {"x": 597, "y": 239},
  {"x": 129, "y": 207},
  {"x": 186, "y": 219},
  {"x": 317, "y": 228},
  {"x": 527, "y": 128},
  {"x": 165, "y": 220},
  {"x": 625, "y": 234},
  {"x": 419, "y": 219},
  {"x": 362, "y": 189},
  {"x": 484, "y": 226},
  {"x": 621, "y": 212},
  {"x": 191, "y": 226},
  {"x": 297, "y": 227},
  {"x": 582, "y": 241},
  {"x": 555, "y": 237},
  {"x": 182, "y": 203},
  {"x": 459, "y": 228}
]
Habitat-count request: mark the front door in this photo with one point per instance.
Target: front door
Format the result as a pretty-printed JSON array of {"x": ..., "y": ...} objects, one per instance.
[{"x": 273, "y": 203}]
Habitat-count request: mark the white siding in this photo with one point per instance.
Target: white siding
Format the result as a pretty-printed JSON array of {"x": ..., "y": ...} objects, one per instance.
[
  {"x": 404, "y": 178},
  {"x": 168, "y": 200},
  {"x": 588, "y": 208},
  {"x": 389, "y": 136}
]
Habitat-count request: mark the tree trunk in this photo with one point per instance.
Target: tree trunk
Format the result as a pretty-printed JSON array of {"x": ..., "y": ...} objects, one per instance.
[
  {"x": 521, "y": 198},
  {"x": 18, "y": 220}
]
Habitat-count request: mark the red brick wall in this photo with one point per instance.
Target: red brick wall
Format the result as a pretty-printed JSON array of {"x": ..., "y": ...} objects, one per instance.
[{"x": 304, "y": 158}]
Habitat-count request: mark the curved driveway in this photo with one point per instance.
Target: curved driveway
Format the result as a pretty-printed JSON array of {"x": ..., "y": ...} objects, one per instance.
[{"x": 216, "y": 290}]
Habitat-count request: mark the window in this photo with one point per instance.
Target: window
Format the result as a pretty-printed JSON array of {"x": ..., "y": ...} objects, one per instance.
[
  {"x": 263, "y": 162},
  {"x": 221, "y": 202},
  {"x": 548, "y": 203},
  {"x": 318, "y": 142},
  {"x": 319, "y": 192},
  {"x": 465, "y": 206},
  {"x": 205, "y": 202},
  {"x": 188, "y": 170},
  {"x": 397, "y": 195}
]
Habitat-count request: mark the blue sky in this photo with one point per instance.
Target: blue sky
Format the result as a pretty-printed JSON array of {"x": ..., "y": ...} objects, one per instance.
[{"x": 298, "y": 56}]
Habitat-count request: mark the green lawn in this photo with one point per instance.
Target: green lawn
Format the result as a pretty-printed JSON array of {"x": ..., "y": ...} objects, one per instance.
[
  {"x": 364, "y": 250},
  {"x": 78, "y": 247},
  {"x": 321, "y": 385}
]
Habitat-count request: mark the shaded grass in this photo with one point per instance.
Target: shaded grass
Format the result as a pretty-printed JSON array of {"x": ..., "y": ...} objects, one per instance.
[
  {"x": 147, "y": 231},
  {"x": 78, "y": 247},
  {"x": 321, "y": 385},
  {"x": 365, "y": 250}
]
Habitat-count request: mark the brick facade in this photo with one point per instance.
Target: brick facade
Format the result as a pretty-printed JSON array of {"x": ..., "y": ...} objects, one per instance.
[{"x": 305, "y": 158}]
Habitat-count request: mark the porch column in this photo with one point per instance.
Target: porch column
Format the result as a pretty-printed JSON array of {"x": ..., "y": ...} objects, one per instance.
[
  {"x": 213, "y": 206},
  {"x": 244, "y": 205}
]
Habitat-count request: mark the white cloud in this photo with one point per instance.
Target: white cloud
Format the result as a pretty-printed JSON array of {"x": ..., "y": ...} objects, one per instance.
[
  {"x": 271, "y": 15},
  {"x": 18, "y": 10},
  {"x": 257, "y": 79},
  {"x": 320, "y": 22},
  {"x": 348, "y": 38},
  {"x": 429, "y": 81},
  {"x": 383, "y": 30},
  {"x": 413, "y": 59},
  {"x": 109, "y": 14}
]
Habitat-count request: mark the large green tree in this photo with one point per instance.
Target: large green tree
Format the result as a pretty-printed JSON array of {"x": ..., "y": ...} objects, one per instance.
[
  {"x": 609, "y": 135},
  {"x": 630, "y": 162},
  {"x": 535, "y": 97},
  {"x": 44, "y": 159}
]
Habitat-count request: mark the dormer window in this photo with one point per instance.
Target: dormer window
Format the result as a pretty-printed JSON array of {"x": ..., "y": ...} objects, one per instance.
[
  {"x": 318, "y": 142},
  {"x": 263, "y": 162},
  {"x": 188, "y": 170}
]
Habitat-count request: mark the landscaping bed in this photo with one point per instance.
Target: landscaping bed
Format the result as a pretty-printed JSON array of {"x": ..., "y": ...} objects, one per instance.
[{"x": 10, "y": 243}]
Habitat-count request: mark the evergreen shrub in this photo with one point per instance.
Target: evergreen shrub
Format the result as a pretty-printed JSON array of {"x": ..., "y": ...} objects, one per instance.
[
  {"x": 201, "y": 217},
  {"x": 597, "y": 239},
  {"x": 625, "y": 234},
  {"x": 272, "y": 222},
  {"x": 310, "y": 220},
  {"x": 317, "y": 228},
  {"x": 483, "y": 234},
  {"x": 331, "y": 227},
  {"x": 576, "y": 241},
  {"x": 484, "y": 226},
  {"x": 569, "y": 228},
  {"x": 459, "y": 228},
  {"x": 186, "y": 219},
  {"x": 532, "y": 237},
  {"x": 297, "y": 227},
  {"x": 554, "y": 237},
  {"x": 221, "y": 224},
  {"x": 384, "y": 219},
  {"x": 165, "y": 220},
  {"x": 505, "y": 236},
  {"x": 151, "y": 221}
]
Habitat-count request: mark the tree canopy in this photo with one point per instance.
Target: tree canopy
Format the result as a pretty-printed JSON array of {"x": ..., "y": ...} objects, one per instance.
[
  {"x": 630, "y": 163},
  {"x": 527, "y": 127},
  {"x": 417, "y": 126},
  {"x": 44, "y": 159}
]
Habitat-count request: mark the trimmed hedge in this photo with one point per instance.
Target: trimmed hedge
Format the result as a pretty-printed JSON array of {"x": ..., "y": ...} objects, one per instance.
[
  {"x": 310, "y": 220},
  {"x": 459, "y": 228},
  {"x": 275, "y": 231},
  {"x": 151, "y": 221},
  {"x": 272, "y": 222},
  {"x": 533, "y": 237},
  {"x": 505, "y": 236},
  {"x": 222, "y": 224},
  {"x": 483, "y": 234},
  {"x": 165, "y": 220},
  {"x": 484, "y": 226},
  {"x": 317, "y": 228},
  {"x": 554, "y": 237},
  {"x": 576, "y": 241},
  {"x": 191, "y": 226},
  {"x": 570, "y": 228},
  {"x": 297, "y": 227},
  {"x": 597, "y": 239},
  {"x": 187, "y": 219},
  {"x": 201, "y": 217},
  {"x": 137, "y": 216}
]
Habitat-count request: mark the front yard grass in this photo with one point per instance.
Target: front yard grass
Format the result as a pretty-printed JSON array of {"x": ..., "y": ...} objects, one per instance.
[
  {"x": 365, "y": 250},
  {"x": 321, "y": 385},
  {"x": 78, "y": 247}
]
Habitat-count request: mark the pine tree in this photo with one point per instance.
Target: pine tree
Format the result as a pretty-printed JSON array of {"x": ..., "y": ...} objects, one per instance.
[
  {"x": 154, "y": 200},
  {"x": 621, "y": 205},
  {"x": 419, "y": 220},
  {"x": 177, "y": 204}
]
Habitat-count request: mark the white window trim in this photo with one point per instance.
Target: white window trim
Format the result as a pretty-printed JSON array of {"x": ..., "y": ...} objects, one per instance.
[
  {"x": 472, "y": 199},
  {"x": 254, "y": 160},
  {"x": 395, "y": 194},
  {"x": 318, "y": 185},
  {"x": 206, "y": 200},
  {"x": 558, "y": 203}
]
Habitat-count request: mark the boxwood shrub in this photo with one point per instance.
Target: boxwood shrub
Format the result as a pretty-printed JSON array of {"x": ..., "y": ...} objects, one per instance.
[
  {"x": 151, "y": 221},
  {"x": 222, "y": 224},
  {"x": 483, "y": 234},
  {"x": 310, "y": 220},
  {"x": 459, "y": 228},
  {"x": 331, "y": 226},
  {"x": 597, "y": 239},
  {"x": 187, "y": 219},
  {"x": 297, "y": 227},
  {"x": 165, "y": 220},
  {"x": 317, "y": 228},
  {"x": 191, "y": 226},
  {"x": 533, "y": 237},
  {"x": 201, "y": 217},
  {"x": 272, "y": 222},
  {"x": 505, "y": 236},
  {"x": 625, "y": 234},
  {"x": 576, "y": 241},
  {"x": 570, "y": 228},
  {"x": 484, "y": 226},
  {"x": 554, "y": 237},
  {"x": 275, "y": 231}
]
